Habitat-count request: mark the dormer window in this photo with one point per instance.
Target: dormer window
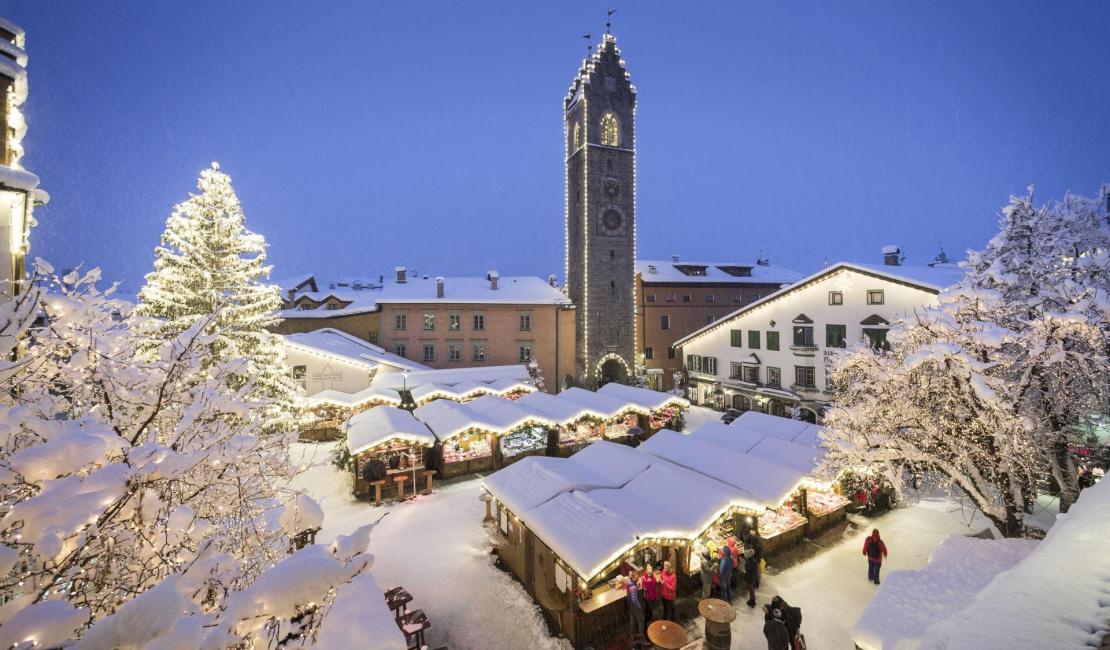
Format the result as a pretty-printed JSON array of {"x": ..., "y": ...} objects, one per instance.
[
  {"x": 610, "y": 130},
  {"x": 737, "y": 271},
  {"x": 691, "y": 269}
]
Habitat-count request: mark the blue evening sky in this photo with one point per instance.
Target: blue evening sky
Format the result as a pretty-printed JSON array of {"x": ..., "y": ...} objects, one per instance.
[{"x": 361, "y": 135}]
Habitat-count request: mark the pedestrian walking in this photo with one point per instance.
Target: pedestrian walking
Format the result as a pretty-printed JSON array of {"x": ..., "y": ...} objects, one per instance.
[
  {"x": 792, "y": 618},
  {"x": 669, "y": 583},
  {"x": 774, "y": 630},
  {"x": 725, "y": 574},
  {"x": 875, "y": 550}
]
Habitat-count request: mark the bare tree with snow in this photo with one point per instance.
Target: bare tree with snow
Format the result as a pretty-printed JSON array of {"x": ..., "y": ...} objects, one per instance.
[{"x": 138, "y": 497}]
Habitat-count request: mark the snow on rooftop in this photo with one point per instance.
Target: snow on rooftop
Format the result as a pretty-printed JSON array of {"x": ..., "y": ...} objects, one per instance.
[
  {"x": 1055, "y": 597},
  {"x": 582, "y": 533},
  {"x": 802, "y": 458},
  {"x": 605, "y": 406},
  {"x": 375, "y": 426},
  {"x": 337, "y": 343},
  {"x": 936, "y": 277},
  {"x": 453, "y": 418},
  {"x": 451, "y": 376},
  {"x": 670, "y": 271},
  {"x": 890, "y": 249},
  {"x": 650, "y": 399},
  {"x": 617, "y": 463},
  {"x": 769, "y": 425},
  {"x": 562, "y": 412},
  {"x": 365, "y": 396},
  {"x": 728, "y": 437},
  {"x": 908, "y": 602},
  {"x": 507, "y": 415},
  {"x": 535, "y": 480},
  {"x": 523, "y": 290}
]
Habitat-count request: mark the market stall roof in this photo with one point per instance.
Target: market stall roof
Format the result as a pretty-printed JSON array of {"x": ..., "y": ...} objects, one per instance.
[
  {"x": 582, "y": 533},
  {"x": 617, "y": 463},
  {"x": 375, "y": 426},
  {"x": 454, "y": 418},
  {"x": 350, "y": 400},
  {"x": 604, "y": 406},
  {"x": 803, "y": 458},
  {"x": 811, "y": 435},
  {"x": 723, "y": 435},
  {"x": 534, "y": 480},
  {"x": 507, "y": 385},
  {"x": 562, "y": 412},
  {"x": 692, "y": 500},
  {"x": 452, "y": 376},
  {"x": 756, "y": 483},
  {"x": 507, "y": 415},
  {"x": 328, "y": 341},
  {"x": 470, "y": 388},
  {"x": 770, "y": 425},
  {"x": 430, "y": 392},
  {"x": 650, "y": 399}
]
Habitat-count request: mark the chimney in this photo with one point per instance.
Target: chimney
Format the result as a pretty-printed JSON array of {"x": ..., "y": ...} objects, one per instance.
[
  {"x": 400, "y": 274},
  {"x": 674, "y": 258},
  {"x": 439, "y": 287},
  {"x": 652, "y": 270},
  {"x": 492, "y": 277},
  {"x": 892, "y": 255},
  {"x": 551, "y": 279}
]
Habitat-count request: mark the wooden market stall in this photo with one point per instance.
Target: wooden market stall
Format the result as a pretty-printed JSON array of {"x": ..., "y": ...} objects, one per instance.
[
  {"x": 385, "y": 444},
  {"x": 465, "y": 438},
  {"x": 575, "y": 424},
  {"x": 603, "y": 417},
  {"x": 665, "y": 410},
  {"x": 330, "y": 409},
  {"x": 568, "y": 528},
  {"x": 521, "y": 431}
]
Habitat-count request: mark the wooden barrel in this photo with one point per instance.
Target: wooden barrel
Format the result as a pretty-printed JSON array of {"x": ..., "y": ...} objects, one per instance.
[{"x": 718, "y": 616}]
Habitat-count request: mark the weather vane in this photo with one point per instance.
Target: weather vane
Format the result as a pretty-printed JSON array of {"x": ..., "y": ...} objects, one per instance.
[
  {"x": 609, "y": 20},
  {"x": 589, "y": 43}
]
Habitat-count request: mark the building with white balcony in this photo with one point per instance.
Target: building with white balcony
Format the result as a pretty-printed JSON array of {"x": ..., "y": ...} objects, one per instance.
[{"x": 774, "y": 354}]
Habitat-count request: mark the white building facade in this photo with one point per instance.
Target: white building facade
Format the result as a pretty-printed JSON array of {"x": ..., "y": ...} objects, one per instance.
[{"x": 774, "y": 355}]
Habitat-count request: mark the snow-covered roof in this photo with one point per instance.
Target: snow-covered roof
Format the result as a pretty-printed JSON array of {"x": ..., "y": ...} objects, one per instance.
[
  {"x": 939, "y": 276},
  {"x": 452, "y": 376},
  {"x": 758, "y": 482},
  {"x": 1054, "y": 598},
  {"x": 354, "y": 302},
  {"x": 448, "y": 419},
  {"x": 336, "y": 343},
  {"x": 580, "y": 531},
  {"x": 804, "y": 459},
  {"x": 375, "y": 426},
  {"x": 507, "y": 415},
  {"x": 534, "y": 480},
  {"x": 930, "y": 279},
  {"x": 671, "y": 272},
  {"x": 294, "y": 282},
  {"x": 650, "y": 399},
  {"x": 17, "y": 179},
  {"x": 796, "y": 431},
  {"x": 517, "y": 290},
  {"x": 562, "y": 412},
  {"x": 728, "y": 437},
  {"x": 605, "y": 406},
  {"x": 369, "y": 395}
]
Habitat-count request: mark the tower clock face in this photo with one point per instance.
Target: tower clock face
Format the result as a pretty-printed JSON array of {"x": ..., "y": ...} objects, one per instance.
[{"x": 611, "y": 220}]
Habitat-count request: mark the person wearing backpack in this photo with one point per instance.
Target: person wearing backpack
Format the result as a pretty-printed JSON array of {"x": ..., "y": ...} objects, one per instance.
[{"x": 875, "y": 550}]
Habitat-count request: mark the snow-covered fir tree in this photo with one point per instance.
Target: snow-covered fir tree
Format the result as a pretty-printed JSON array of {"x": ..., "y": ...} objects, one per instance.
[
  {"x": 988, "y": 387},
  {"x": 140, "y": 504},
  {"x": 210, "y": 267}
]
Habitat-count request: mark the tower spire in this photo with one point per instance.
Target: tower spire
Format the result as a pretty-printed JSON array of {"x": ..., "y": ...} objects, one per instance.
[{"x": 609, "y": 20}]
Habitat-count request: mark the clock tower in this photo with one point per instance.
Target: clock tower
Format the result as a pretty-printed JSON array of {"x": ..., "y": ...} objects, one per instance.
[{"x": 599, "y": 115}]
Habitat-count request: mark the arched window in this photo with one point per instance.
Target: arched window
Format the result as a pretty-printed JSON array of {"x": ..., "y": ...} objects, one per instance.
[
  {"x": 610, "y": 131},
  {"x": 577, "y": 136}
]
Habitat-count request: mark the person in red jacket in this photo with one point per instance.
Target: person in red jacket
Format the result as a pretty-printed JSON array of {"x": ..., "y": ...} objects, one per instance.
[
  {"x": 875, "y": 550},
  {"x": 649, "y": 588},
  {"x": 669, "y": 583}
]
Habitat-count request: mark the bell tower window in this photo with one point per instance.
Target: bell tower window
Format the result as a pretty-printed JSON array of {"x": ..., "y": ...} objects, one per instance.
[
  {"x": 610, "y": 136},
  {"x": 577, "y": 136}
]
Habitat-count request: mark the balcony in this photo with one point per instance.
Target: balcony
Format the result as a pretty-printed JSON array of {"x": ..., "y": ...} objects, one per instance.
[
  {"x": 804, "y": 350},
  {"x": 804, "y": 388}
]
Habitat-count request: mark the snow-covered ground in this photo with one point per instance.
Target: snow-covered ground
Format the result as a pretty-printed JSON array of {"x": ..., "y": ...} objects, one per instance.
[{"x": 436, "y": 547}]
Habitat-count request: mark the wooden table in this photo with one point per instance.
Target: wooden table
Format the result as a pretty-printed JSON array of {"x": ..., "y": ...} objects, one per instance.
[
  {"x": 427, "y": 474},
  {"x": 378, "y": 491},
  {"x": 718, "y": 615},
  {"x": 597, "y": 601},
  {"x": 486, "y": 498},
  {"x": 667, "y": 635}
]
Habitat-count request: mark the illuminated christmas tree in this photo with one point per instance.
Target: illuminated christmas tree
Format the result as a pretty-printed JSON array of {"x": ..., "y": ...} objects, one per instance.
[{"x": 211, "y": 268}]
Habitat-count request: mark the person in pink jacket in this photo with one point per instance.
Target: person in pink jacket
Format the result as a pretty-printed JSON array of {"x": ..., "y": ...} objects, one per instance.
[
  {"x": 875, "y": 550},
  {"x": 649, "y": 587},
  {"x": 670, "y": 584}
]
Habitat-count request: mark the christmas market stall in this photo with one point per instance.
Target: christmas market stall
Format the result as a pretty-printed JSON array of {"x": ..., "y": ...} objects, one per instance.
[
  {"x": 466, "y": 437},
  {"x": 385, "y": 444},
  {"x": 576, "y": 426},
  {"x": 608, "y": 417},
  {"x": 513, "y": 389},
  {"x": 569, "y": 528},
  {"x": 521, "y": 431},
  {"x": 665, "y": 410},
  {"x": 329, "y": 409}
]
